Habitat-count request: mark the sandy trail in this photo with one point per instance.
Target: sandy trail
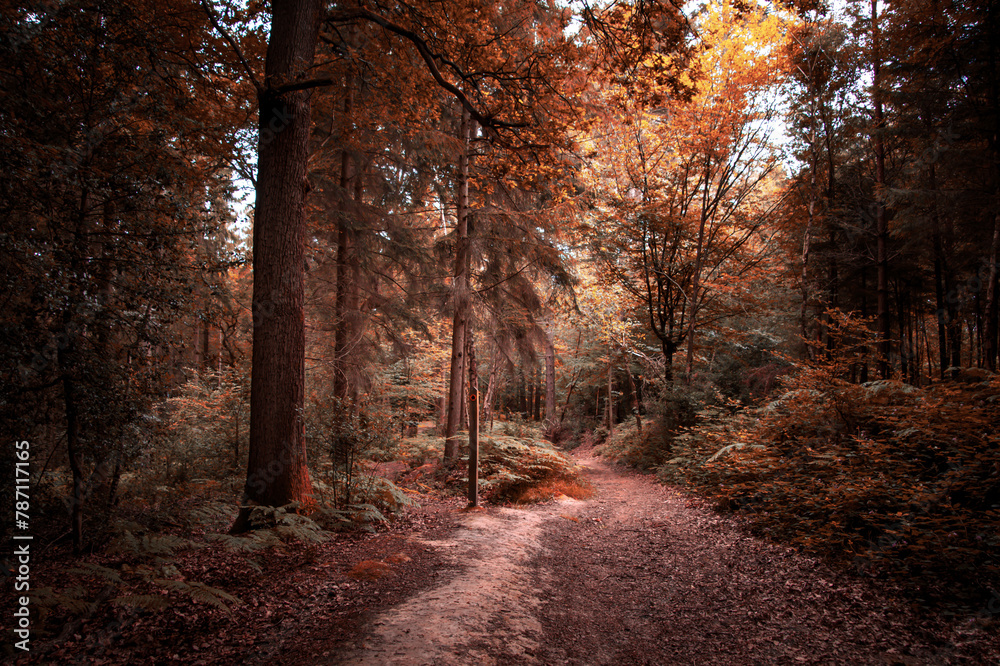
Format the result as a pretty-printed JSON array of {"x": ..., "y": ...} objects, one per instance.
[
  {"x": 638, "y": 575},
  {"x": 489, "y": 606}
]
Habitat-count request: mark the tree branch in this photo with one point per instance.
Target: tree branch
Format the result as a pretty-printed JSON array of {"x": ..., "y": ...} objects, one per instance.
[
  {"x": 431, "y": 59},
  {"x": 232, "y": 44}
]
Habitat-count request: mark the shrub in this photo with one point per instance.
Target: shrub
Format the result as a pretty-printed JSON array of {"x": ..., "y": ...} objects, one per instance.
[
  {"x": 509, "y": 466},
  {"x": 888, "y": 478}
]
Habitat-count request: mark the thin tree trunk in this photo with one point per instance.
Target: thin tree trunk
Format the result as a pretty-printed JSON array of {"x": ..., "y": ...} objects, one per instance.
[
  {"x": 939, "y": 272},
  {"x": 473, "y": 419},
  {"x": 550, "y": 382},
  {"x": 881, "y": 219},
  {"x": 635, "y": 396},
  {"x": 491, "y": 388},
  {"x": 536, "y": 389},
  {"x": 696, "y": 277},
  {"x": 576, "y": 377},
  {"x": 991, "y": 316},
  {"x": 927, "y": 349},
  {"x": 276, "y": 471},
  {"x": 75, "y": 457},
  {"x": 806, "y": 240},
  {"x": 611, "y": 402},
  {"x": 461, "y": 295}
]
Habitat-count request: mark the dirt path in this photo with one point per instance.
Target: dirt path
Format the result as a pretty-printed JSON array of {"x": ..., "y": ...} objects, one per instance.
[{"x": 638, "y": 575}]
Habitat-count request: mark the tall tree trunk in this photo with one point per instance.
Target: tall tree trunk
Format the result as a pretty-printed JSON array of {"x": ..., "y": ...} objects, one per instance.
[
  {"x": 807, "y": 237},
  {"x": 345, "y": 264},
  {"x": 491, "y": 388},
  {"x": 536, "y": 389},
  {"x": 901, "y": 320},
  {"x": 611, "y": 402},
  {"x": 277, "y": 472},
  {"x": 696, "y": 276},
  {"x": 473, "y": 418},
  {"x": 939, "y": 273},
  {"x": 74, "y": 453},
  {"x": 881, "y": 219},
  {"x": 461, "y": 295},
  {"x": 550, "y": 382},
  {"x": 991, "y": 315},
  {"x": 635, "y": 396}
]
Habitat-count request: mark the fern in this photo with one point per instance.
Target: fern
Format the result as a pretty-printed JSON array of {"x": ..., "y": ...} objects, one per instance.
[
  {"x": 250, "y": 542},
  {"x": 734, "y": 447},
  {"x": 107, "y": 574},
  {"x": 201, "y": 593},
  {"x": 156, "y": 544},
  {"x": 150, "y": 602}
]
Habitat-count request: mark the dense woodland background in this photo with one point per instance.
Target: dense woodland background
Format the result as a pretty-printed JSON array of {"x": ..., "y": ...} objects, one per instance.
[{"x": 751, "y": 247}]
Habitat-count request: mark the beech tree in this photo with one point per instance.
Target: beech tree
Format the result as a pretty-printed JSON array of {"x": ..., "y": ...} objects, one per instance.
[{"x": 685, "y": 189}]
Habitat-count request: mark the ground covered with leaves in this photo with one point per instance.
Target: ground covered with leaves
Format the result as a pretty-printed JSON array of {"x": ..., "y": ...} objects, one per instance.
[{"x": 632, "y": 572}]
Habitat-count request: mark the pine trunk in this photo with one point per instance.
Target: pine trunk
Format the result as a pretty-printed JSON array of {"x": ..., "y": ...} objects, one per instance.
[
  {"x": 550, "y": 382},
  {"x": 881, "y": 218},
  {"x": 277, "y": 472},
  {"x": 461, "y": 297}
]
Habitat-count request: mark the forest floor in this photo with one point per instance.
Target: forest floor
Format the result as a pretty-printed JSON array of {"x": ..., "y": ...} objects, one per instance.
[{"x": 639, "y": 574}]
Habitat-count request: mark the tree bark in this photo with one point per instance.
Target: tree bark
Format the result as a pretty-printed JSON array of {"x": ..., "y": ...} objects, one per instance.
[
  {"x": 461, "y": 295},
  {"x": 550, "y": 382},
  {"x": 696, "y": 276},
  {"x": 611, "y": 402},
  {"x": 473, "y": 419},
  {"x": 635, "y": 396},
  {"x": 991, "y": 315},
  {"x": 277, "y": 472},
  {"x": 345, "y": 263},
  {"x": 881, "y": 219},
  {"x": 669, "y": 347},
  {"x": 491, "y": 388}
]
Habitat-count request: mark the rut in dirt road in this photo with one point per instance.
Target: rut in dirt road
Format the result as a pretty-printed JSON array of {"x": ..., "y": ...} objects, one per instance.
[{"x": 637, "y": 575}]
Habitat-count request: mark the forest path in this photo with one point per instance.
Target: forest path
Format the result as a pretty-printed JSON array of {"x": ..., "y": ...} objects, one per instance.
[{"x": 640, "y": 575}]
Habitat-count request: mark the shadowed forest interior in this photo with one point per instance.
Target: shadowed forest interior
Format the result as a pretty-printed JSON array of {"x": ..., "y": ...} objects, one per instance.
[{"x": 275, "y": 274}]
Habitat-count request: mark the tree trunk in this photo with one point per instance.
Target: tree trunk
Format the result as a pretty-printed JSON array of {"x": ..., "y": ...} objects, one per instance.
[
  {"x": 536, "y": 389},
  {"x": 635, "y": 396},
  {"x": 75, "y": 456},
  {"x": 696, "y": 277},
  {"x": 461, "y": 296},
  {"x": 807, "y": 236},
  {"x": 277, "y": 472},
  {"x": 473, "y": 419},
  {"x": 990, "y": 334},
  {"x": 669, "y": 347},
  {"x": 881, "y": 219},
  {"x": 939, "y": 272},
  {"x": 550, "y": 382},
  {"x": 345, "y": 263},
  {"x": 491, "y": 388},
  {"x": 611, "y": 402}
]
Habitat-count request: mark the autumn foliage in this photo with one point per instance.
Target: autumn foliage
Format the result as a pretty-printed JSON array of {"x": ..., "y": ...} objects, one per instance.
[{"x": 887, "y": 478}]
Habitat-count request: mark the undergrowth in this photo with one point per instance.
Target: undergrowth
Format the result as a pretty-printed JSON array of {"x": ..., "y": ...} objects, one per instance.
[
  {"x": 524, "y": 469},
  {"x": 891, "y": 480}
]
